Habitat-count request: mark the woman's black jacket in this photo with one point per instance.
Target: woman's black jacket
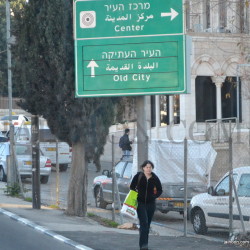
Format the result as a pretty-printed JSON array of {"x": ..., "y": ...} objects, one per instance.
[{"x": 148, "y": 190}]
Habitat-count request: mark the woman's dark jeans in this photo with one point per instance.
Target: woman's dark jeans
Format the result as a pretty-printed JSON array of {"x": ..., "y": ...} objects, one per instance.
[{"x": 145, "y": 214}]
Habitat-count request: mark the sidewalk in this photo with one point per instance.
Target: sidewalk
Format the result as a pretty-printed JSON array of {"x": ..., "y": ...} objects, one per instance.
[{"x": 85, "y": 233}]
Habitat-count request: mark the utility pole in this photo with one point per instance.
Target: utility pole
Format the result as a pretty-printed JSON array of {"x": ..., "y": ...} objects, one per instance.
[
  {"x": 142, "y": 137},
  {"x": 12, "y": 176},
  {"x": 36, "y": 200}
]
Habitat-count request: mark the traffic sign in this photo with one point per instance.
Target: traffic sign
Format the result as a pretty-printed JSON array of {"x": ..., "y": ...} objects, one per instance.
[
  {"x": 119, "y": 18},
  {"x": 129, "y": 48}
]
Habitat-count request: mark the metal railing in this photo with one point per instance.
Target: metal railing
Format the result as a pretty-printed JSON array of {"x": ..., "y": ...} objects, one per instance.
[{"x": 219, "y": 130}]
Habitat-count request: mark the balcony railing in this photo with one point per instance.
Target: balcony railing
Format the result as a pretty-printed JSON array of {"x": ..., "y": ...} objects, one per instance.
[{"x": 220, "y": 130}]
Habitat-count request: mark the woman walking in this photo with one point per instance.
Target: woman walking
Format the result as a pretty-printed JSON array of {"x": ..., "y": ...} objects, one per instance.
[{"x": 148, "y": 186}]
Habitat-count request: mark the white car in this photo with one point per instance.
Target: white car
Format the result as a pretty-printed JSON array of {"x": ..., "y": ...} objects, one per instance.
[
  {"x": 17, "y": 120},
  {"x": 47, "y": 143},
  {"x": 212, "y": 209},
  {"x": 24, "y": 160}
]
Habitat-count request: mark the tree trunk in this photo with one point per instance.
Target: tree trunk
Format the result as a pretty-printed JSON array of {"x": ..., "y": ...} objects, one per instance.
[{"x": 77, "y": 191}]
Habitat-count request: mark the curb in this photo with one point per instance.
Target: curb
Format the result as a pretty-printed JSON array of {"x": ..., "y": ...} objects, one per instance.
[{"x": 44, "y": 230}]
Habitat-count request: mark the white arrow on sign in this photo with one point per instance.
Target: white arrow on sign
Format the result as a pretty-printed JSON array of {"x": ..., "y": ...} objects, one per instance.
[
  {"x": 92, "y": 65},
  {"x": 173, "y": 14}
]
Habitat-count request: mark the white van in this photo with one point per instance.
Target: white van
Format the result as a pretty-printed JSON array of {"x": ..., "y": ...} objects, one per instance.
[
  {"x": 211, "y": 209},
  {"x": 47, "y": 145}
]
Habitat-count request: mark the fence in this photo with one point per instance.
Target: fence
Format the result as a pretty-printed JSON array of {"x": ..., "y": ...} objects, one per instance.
[{"x": 223, "y": 206}]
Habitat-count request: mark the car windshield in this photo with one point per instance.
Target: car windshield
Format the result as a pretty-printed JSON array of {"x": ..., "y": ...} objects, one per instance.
[
  {"x": 22, "y": 133},
  {"x": 7, "y": 118},
  {"x": 3, "y": 139},
  {"x": 23, "y": 150},
  {"x": 45, "y": 135},
  {"x": 119, "y": 169}
]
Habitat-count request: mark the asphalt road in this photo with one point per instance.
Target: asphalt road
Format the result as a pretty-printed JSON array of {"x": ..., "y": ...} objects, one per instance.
[
  {"x": 130, "y": 242},
  {"x": 14, "y": 235}
]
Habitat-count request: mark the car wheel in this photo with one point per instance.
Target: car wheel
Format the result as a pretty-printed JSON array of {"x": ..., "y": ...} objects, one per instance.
[
  {"x": 3, "y": 176},
  {"x": 44, "y": 179},
  {"x": 199, "y": 223},
  {"x": 63, "y": 167},
  {"x": 99, "y": 202}
]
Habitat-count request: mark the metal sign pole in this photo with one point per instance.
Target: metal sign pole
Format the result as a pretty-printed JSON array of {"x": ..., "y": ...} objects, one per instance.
[
  {"x": 185, "y": 187},
  {"x": 118, "y": 198},
  {"x": 113, "y": 181},
  {"x": 239, "y": 208},
  {"x": 230, "y": 187},
  {"x": 57, "y": 175}
]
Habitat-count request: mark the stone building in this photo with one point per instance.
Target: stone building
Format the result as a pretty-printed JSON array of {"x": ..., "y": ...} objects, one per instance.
[{"x": 218, "y": 104}]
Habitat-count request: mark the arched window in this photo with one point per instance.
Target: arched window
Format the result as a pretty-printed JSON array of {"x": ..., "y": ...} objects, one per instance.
[
  {"x": 229, "y": 98},
  {"x": 205, "y": 98}
]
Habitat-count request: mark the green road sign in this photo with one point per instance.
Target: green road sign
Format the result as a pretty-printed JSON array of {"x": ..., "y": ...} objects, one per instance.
[
  {"x": 95, "y": 19},
  {"x": 129, "y": 48}
]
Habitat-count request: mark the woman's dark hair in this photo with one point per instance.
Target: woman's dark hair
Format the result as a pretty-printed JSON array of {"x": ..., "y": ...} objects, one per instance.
[
  {"x": 147, "y": 162},
  {"x": 127, "y": 130}
]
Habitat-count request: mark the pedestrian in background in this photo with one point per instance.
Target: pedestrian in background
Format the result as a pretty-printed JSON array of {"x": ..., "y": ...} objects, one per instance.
[
  {"x": 125, "y": 143},
  {"x": 149, "y": 187}
]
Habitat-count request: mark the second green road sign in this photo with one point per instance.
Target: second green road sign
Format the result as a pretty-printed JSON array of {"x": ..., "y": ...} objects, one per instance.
[{"x": 129, "y": 48}]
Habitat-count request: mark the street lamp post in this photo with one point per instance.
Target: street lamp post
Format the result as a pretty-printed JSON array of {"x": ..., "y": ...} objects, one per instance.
[{"x": 12, "y": 176}]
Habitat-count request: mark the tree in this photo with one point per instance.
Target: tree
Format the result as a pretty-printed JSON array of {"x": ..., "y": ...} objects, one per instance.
[
  {"x": 3, "y": 49},
  {"x": 15, "y": 5},
  {"x": 44, "y": 66}
]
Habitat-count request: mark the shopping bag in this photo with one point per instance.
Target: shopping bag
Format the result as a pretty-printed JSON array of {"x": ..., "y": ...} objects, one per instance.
[{"x": 130, "y": 205}]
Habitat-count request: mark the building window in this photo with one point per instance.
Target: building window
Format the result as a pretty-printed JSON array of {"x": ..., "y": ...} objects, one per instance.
[
  {"x": 187, "y": 6},
  {"x": 205, "y": 97},
  {"x": 222, "y": 14},
  {"x": 153, "y": 114},
  {"x": 176, "y": 101},
  {"x": 243, "y": 15},
  {"x": 164, "y": 110},
  {"x": 229, "y": 98},
  {"x": 207, "y": 23}
]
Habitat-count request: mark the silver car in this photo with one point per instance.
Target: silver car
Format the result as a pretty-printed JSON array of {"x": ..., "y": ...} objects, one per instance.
[
  {"x": 24, "y": 162},
  {"x": 102, "y": 185}
]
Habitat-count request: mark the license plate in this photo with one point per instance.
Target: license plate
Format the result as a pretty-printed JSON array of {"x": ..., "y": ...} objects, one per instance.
[
  {"x": 180, "y": 204},
  {"x": 27, "y": 163},
  {"x": 50, "y": 149}
]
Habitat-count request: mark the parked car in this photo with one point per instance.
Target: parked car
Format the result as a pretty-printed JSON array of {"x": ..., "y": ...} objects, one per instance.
[
  {"x": 3, "y": 138},
  {"x": 102, "y": 185},
  {"x": 24, "y": 161},
  {"x": 47, "y": 142},
  {"x": 211, "y": 209},
  {"x": 17, "y": 120}
]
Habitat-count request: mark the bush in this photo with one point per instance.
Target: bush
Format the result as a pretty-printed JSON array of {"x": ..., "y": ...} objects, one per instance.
[{"x": 13, "y": 190}]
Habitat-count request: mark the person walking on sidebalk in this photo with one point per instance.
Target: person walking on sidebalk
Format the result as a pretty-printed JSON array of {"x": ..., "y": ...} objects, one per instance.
[{"x": 148, "y": 186}]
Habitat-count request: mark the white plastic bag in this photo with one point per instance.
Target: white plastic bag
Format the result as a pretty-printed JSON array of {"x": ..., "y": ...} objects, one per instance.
[
  {"x": 129, "y": 211},
  {"x": 129, "y": 206}
]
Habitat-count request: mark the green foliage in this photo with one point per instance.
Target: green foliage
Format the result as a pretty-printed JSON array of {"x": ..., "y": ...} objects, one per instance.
[
  {"x": 29, "y": 199},
  {"x": 45, "y": 72},
  {"x": 103, "y": 221},
  {"x": 109, "y": 223},
  {"x": 13, "y": 190},
  {"x": 54, "y": 207},
  {"x": 16, "y": 5},
  {"x": 3, "y": 49}
]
